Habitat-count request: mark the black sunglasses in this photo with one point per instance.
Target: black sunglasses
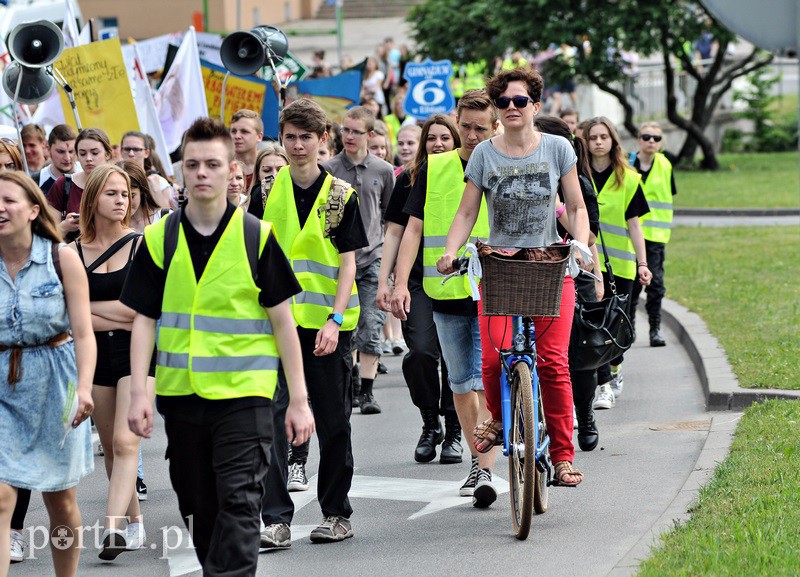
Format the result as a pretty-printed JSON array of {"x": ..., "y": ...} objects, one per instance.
[
  {"x": 655, "y": 137},
  {"x": 519, "y": 101}
]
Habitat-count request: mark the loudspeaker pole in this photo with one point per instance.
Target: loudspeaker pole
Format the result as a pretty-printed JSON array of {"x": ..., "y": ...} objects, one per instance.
[
  {"x": 61, "y": 81},
  {"x": 16, "y": 124},
  {"x": 222, "y": 103}
]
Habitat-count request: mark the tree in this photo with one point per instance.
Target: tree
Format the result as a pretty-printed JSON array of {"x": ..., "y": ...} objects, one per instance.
[{"x": 466, "y": 30}]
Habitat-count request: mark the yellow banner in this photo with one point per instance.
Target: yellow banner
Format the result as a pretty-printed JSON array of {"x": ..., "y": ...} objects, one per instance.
[
  {"x": 239, "y": 93},
  {"x": 96, "y": 73}
]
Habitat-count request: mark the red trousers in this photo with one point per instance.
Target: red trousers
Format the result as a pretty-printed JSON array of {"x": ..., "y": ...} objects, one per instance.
[{"x": 552, "y": 346}]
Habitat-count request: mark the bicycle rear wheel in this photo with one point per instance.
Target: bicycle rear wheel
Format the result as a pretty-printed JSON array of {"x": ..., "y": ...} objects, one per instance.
[
  {"x": 541, "y": 492},
  {"x": 522, "y": 457}
]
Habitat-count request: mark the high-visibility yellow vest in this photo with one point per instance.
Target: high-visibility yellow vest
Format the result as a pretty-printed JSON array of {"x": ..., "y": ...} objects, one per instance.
[
  {"x": 657, "y": 224},
  {"x": 613, "y": 201},
  {"x": 474, "y": 75},
  {"x": 393, "y": 124},
  {"x": 443, "y": 195},
  {"x": 314, "y": 259},
  {"x": 215, "y": 338}
]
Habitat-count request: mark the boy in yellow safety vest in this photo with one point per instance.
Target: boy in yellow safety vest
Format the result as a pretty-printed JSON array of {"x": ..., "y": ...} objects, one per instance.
[
  {"x": 317, "y": 223},
  {"x": 226, "y": 324}
]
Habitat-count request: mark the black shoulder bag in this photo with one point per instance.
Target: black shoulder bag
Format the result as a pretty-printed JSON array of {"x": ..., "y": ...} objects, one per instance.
[{"x": 601, "y": 330}]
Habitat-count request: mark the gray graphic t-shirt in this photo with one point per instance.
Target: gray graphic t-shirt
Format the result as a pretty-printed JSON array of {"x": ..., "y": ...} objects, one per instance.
[{"x": 521, "y": 192}]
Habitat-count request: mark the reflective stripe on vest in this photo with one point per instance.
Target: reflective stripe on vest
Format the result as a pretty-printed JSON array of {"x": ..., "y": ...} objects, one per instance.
[
  {"x": 613, "y": 201},
  {"x": 445, "y": 187},
  {"x": 657, "y": 224},
  {"x": 314, "y": 259},
  {"x": 215, "y": 339}
]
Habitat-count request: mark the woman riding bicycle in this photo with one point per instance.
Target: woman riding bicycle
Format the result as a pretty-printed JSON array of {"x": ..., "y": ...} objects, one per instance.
[{"x": 519, "y": 172}]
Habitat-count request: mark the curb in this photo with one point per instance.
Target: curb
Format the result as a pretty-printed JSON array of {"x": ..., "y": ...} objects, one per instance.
[
  {"x": 737, "y": 211},
  {"x": 714, "y": 451},
  {"x": 720, "y": 386}
]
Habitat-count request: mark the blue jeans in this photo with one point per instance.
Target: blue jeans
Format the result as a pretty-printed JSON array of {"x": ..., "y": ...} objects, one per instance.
[{"x": 460, "y": 339}]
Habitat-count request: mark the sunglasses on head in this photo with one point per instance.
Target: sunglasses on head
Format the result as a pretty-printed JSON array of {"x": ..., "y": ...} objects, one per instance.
[
  {"x": 655, "y": 137},
  {"x": 519, "y": 101}
]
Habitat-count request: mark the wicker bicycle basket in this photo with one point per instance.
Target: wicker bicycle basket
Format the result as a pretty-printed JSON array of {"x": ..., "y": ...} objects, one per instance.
[{"x": 517, "y": 285}]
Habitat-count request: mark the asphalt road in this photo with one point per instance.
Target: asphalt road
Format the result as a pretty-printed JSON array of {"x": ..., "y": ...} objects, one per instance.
[{"x": 408, "y": 518}]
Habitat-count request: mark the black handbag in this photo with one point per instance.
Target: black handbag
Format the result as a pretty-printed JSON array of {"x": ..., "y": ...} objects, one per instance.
[{"x": 601, "y": 330}]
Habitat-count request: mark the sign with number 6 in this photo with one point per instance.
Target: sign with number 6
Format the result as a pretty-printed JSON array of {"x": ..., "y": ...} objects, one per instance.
[{"x": 428, "y": 88}]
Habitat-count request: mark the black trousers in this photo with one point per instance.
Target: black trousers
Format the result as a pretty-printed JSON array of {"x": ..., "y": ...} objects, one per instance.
[
  {"x": 624, "y": 287},
  {"x": 656, "y": 254},
  {"x": 218, "y": 470},
  {"x": 330, "y": 391},
  {"x": 584, "y": 383},
  {"x": 421, "y": 362}
]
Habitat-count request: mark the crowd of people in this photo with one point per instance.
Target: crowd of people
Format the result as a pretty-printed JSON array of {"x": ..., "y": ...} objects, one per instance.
[{"x": 253, "y": 296}]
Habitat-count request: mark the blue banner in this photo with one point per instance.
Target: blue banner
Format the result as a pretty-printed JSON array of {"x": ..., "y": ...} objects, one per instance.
[{"x": 335, "y": 94}]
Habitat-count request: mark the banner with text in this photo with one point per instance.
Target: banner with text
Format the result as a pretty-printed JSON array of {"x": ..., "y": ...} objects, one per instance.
[
  {"x": 96, "y": 72},
  {"x": 335, "y": 94}
]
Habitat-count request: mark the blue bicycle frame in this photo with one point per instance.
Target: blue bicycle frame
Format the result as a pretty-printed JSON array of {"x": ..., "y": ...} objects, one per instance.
[{"x": 523, "y": 350}]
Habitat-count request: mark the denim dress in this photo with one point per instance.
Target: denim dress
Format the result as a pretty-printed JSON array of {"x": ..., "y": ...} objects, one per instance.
[{"x": 32, "y": 311}]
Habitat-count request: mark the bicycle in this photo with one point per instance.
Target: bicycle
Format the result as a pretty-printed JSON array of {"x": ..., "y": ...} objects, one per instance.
[{"x": 527, "y": 447}]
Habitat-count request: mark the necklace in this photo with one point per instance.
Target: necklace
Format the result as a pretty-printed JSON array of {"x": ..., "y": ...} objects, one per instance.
[
  {"x": 524, "y": 154},
  {"x": 23, "y": 260}
]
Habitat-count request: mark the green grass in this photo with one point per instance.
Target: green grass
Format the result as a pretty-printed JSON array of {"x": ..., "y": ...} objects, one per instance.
[
  {"x": 746, "y": 521},
  {"x": 767, "y": 180},
  {"x": 745, "y": 284}
]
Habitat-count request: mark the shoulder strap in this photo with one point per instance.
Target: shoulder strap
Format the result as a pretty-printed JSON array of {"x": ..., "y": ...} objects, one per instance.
[
  {"x": 111, "y": 251},
  {"x": 252, "y": 241},
  {"x": 171, "y": 231},
  {"x": 612, "y": 283},
  {"x": 334, "y": 208},
  {"x": 80, "y": 251},
  {"x": 55, "y": 247}
]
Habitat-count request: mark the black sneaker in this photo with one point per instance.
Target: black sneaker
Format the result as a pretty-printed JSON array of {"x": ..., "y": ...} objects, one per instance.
[
  {"x": 276, "y": 536},
  {"x": 141, "y": 489},
  {"x": 468, "y": 488},
  {"x": 369, "y": 406},
  {"x": 332, "y": 529},
  {"x": 382, "y": 370},
  {"x": 485, "y": 493}
]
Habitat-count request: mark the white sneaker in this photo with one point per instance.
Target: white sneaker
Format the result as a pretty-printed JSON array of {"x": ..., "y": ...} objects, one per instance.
[
  {"x": 574, "y": 418},
  {"x": 135, "y": 536},
  {"x": 605, "y": 398},
  {"x": 297, "y": 477},
  {"x": 616, "y": 382},
  {"x": 113, "y": 542},
  {"x": 387, "y": 346},
  {"x": 17, "y": 547},
  {"x": 398, "y": 346}
]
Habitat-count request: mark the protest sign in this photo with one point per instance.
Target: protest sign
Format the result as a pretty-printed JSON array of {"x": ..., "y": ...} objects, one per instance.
[
  {"x": 241, "y": 92},
  {"x": 428, "y": 88},
  {"x": 335, "y": 94},
  {"x": 96, "y": 72},
  {"x": 290, "y": 70}
]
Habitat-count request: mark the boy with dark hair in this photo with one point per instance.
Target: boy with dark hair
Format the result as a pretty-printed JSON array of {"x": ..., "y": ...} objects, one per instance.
[
  {"x": 226, "y": 324},
  {"x": 317, "y": 223},
  {"x": 373, "y": 178}
]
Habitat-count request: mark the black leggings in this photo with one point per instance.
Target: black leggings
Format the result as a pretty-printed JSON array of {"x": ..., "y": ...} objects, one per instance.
[{"x": 21, "y": 509}]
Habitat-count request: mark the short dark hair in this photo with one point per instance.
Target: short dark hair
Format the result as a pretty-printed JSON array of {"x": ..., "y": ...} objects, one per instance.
[
  {"x": 63, "y": 133},
  {"x": 305, "y": 114},
  {"x": 532, "y": 80},
  {"x": 476, "y": 100},
  {"x": 206, "y": 130},
  {"x": 569, "y": 112}
]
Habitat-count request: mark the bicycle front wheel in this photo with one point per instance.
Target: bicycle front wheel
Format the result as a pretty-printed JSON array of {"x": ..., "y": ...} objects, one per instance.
[{"x": 521, "y": 447}]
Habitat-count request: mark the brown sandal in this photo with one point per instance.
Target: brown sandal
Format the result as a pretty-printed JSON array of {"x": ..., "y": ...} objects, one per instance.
[
  {"x": 489, "y": 430},
  {"x": 564, "y": 470}
]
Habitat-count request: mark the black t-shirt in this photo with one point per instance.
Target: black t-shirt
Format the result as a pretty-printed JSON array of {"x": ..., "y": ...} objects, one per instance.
[
  {"x": 415, "y": 206},
  {"x": 638, "y": 205},
  {"x": 394, "y": 213},
  {"x": 589, "y": 199},
  {"x": 144, "y": 293},
  {"x": 350, "y": 234},
  {"x": 646, "y": 173}
]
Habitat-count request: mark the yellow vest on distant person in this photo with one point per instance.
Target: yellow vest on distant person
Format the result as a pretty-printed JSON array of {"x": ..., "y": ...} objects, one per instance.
[
  {"x": 314, "y": 259},
  {"x": 613, "y": 201},
  {"x": 215, "y": 339},
  {"x": 657, "y": 224},
  {"x": 445, "y": 188}
]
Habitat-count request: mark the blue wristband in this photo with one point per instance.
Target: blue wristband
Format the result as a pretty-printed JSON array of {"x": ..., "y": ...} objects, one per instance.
[{"x": 338, "y": 318}]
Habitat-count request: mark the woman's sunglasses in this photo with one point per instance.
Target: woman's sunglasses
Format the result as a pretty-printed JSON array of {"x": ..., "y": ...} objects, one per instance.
[
  {"x": 655, "y": 137},
  {"x": 519, "y": 101}
]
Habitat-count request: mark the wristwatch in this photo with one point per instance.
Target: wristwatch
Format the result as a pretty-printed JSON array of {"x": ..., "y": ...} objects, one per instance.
[{"x": 337, "y": 318}]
